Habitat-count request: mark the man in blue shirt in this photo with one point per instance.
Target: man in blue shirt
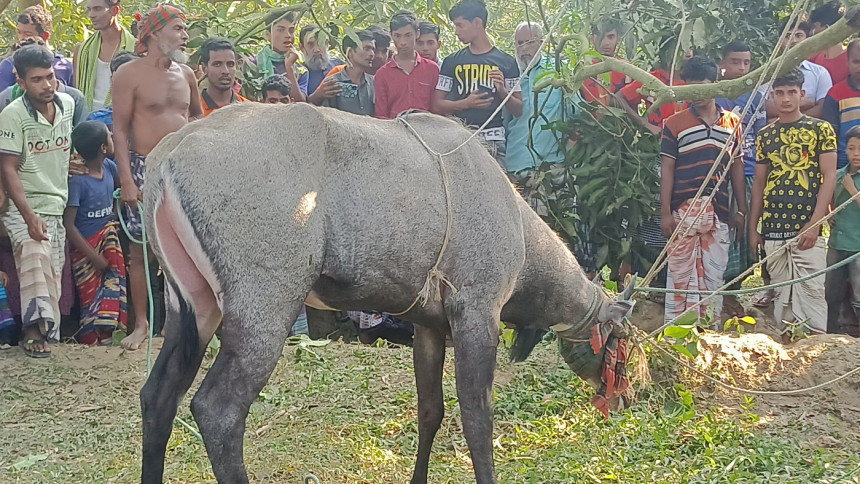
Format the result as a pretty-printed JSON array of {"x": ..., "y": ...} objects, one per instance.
[
  {"x": 736, "y": 63},
  {"x": 317, "y": 64},
  {"x": 36, "y": 23},
  {"x": 529, "y": 145}
]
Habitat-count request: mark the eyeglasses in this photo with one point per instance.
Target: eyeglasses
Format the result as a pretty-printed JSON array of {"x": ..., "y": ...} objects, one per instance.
[{"x": 521, "y": 43}]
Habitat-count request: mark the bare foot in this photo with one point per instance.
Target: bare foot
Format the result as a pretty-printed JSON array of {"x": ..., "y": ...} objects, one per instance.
[{"x": 136, "y": 338}]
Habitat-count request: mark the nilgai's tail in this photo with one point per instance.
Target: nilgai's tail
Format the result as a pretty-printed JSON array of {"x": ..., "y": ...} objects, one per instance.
[{"x": 190, "y": 336}]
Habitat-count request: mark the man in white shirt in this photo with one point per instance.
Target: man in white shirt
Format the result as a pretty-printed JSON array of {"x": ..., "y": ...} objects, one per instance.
[{"x": 816, "y": 79}]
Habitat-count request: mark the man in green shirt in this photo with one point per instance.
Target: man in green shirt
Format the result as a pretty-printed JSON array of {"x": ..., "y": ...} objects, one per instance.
[
  {"x": 35, "y": 149},
  {"x": 844, "y": 237}
]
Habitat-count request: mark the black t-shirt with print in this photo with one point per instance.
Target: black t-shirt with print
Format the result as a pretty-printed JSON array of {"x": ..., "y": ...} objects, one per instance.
[
  {"x": 792, "y": 152},
  {"x": 464, "y": 72}
]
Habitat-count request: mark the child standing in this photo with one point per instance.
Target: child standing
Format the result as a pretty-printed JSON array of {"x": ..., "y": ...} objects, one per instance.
[
  {"x": 845, "y": 236},
  {"x": 93, "y": 231}
]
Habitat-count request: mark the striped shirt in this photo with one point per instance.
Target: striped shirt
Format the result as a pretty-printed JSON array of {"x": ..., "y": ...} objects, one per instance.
[
  {"x": 842, "y": 111},
  {"x": 695, "y": 146}
]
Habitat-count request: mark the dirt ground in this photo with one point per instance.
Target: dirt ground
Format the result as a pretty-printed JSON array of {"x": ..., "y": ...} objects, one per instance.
[{"x": 79, "y": 385}]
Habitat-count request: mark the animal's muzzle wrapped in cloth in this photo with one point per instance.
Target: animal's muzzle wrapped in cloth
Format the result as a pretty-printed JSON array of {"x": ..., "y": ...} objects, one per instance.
[
  {"x": 604, "y": 354},
  {"x": 601, "y": 359}
]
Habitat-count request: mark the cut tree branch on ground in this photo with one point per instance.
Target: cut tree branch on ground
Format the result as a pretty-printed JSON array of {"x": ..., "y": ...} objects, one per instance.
[{"x": 655, "y": 88}]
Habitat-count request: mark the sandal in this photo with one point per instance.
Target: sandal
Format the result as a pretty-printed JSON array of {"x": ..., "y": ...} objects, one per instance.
[
  {"x": 33, "y": 353},
  {"x": 764, "y": 298}
]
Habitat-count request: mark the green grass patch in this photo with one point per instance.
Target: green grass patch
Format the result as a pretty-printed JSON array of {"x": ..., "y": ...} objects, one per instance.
[{"x": 347, "y": 413}]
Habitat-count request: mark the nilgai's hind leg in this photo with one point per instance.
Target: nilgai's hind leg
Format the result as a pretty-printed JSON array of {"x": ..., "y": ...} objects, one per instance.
[
  {"x": 253, "y": 332},
  {"x": 475, "y": 328},
  {"x": 172, "y": 374},
  {"x": 428, "y": 355}
]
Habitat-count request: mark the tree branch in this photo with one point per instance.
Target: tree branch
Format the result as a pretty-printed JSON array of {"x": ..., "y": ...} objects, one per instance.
[
  {"x": 298, "y": 9},
  {"x": 653, "y": 87}
]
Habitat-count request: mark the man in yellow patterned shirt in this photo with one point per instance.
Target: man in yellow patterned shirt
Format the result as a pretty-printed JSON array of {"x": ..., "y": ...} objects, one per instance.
[{"x": 794, "y": 181}]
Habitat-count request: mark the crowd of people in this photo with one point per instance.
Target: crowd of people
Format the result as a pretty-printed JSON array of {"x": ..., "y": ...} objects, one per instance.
[{"x": 74, "y": 131}]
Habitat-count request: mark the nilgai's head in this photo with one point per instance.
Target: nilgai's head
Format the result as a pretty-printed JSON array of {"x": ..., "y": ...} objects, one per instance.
[{"x": 600, "y": 356}]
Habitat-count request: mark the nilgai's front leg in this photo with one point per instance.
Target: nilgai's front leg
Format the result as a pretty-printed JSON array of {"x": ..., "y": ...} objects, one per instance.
[
  {"x": 476, "y": 335},
  {"x": 428, "y": 355},
  {"x": 252, "y": 341}
]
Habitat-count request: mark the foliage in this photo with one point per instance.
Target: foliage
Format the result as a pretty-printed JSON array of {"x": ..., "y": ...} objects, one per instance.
[
  {"x": 349, "y": 416},
  {"x": 796, "y": 330},
  {"x": 737, "y": 323},
  {"x": 687, "y": 331},
  {"x": 614, "y": 165}
]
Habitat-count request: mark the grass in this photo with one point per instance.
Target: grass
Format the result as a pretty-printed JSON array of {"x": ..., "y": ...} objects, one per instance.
[{"x": 347, "y": 413}]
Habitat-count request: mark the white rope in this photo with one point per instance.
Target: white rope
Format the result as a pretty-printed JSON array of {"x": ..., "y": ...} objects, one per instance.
[
  {"x": 743, "y": 276},
  {"x": 750, "y": 391},
  {"x": 435, "y": 276},
  {"x": 659, "y": 263}
]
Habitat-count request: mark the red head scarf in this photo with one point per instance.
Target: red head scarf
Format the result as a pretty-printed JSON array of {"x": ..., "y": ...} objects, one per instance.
[{"x": 154, "y": 20}]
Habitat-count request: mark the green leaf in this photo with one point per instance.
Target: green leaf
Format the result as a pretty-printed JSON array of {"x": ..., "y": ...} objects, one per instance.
[
  {"x": 687, "y": 319},
  {"x": 693, "y": 349},
  {"x": 748, "y": 319},
  {"x": 680, "y": 348},
  {"x": 28, "y": 461},
  {"x": 699, "y": 32},
  {"x": 677, "y": 332}
]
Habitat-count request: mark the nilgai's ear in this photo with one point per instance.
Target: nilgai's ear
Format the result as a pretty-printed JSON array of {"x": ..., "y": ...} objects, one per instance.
[
  {"x": 620, "y": 309},
  {"x": 623, "y": 302}
]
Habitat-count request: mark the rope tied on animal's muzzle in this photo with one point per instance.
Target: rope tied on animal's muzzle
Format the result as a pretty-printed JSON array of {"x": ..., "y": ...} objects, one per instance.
[{"x": 604, "y": 353}]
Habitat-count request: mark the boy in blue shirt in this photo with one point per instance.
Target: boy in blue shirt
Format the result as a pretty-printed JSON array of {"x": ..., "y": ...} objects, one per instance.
[{"x": 93, "y": 231}]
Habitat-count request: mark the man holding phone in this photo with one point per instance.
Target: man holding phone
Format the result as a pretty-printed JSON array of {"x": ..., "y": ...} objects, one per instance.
[
  {"x": 474, "y": 81},
  {"x": 355, "y": 93}
]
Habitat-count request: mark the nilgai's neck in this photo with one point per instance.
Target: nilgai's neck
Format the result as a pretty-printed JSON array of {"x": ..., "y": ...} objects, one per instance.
[{"x": 552, "y": 288}]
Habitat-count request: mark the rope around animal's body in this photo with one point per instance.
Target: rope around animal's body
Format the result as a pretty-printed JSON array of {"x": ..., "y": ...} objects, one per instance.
[{"x": 435, "y": 277}]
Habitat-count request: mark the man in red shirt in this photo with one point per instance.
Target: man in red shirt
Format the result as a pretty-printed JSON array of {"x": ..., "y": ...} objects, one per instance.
[
  {"x": 834, "y": 58},
  {"x": 408, "y": 80},
  {"x": 631, "y": 94}
]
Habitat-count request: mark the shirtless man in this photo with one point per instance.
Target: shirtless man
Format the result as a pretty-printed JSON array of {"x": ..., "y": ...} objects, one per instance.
[{"x": 153, "y": 97}]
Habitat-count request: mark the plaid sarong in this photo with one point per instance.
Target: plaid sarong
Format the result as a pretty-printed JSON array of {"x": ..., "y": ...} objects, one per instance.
[
  {"x": 103, "y": 295},
  {"x": 698, "y": 260},
  {"x": 40, "y": 266},
  {"x": 132, "y": 217}
]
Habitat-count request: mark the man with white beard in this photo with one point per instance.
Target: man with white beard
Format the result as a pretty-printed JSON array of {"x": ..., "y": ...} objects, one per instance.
[
  {"x": 317, "y": 63},
  {"x": 152, "y": 97},
  {"x": 529, "y": 146}
]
